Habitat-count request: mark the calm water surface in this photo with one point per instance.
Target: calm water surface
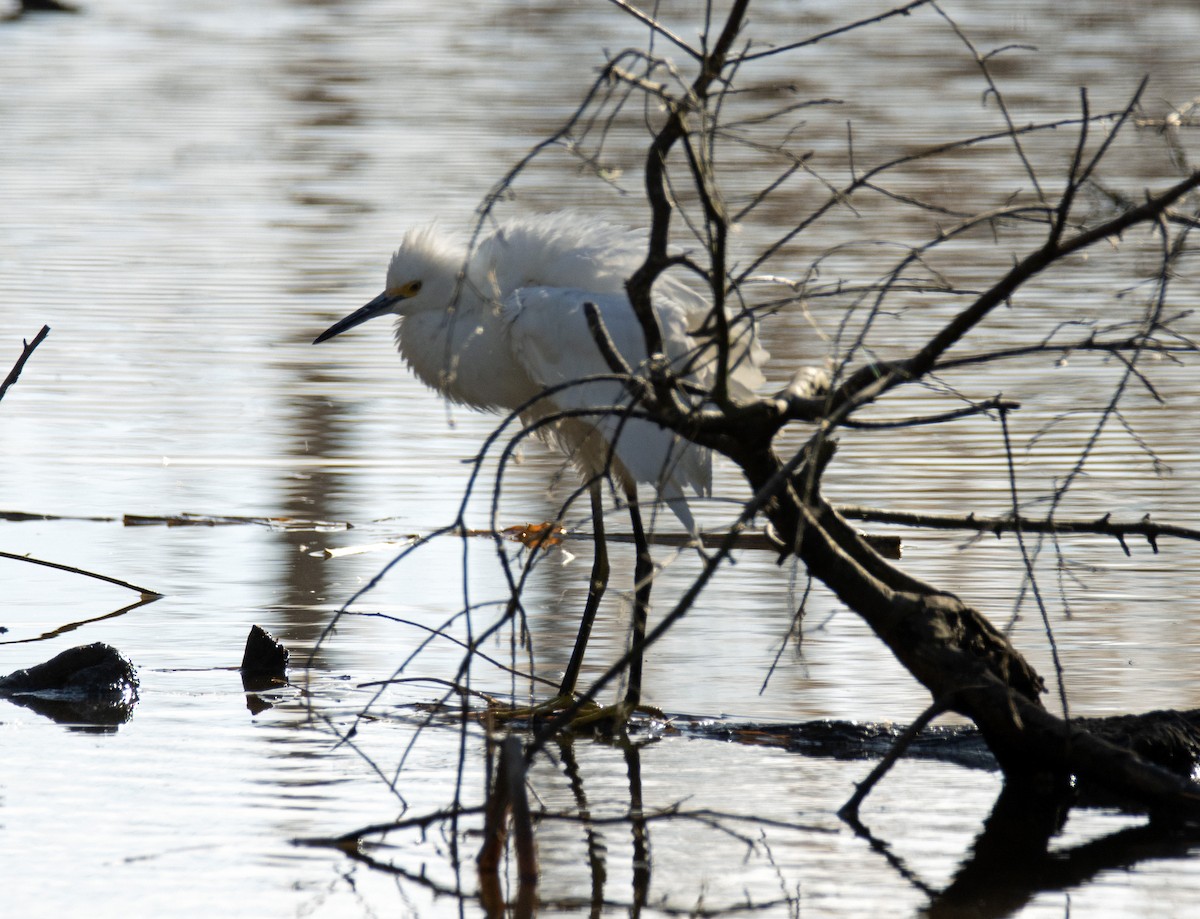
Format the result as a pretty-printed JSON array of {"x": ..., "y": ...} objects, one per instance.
[{"x": 188, "y": 194}]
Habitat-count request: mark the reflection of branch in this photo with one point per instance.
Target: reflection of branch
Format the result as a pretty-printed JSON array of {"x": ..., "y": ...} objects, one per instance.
[
  {"x": 507, "y": 799},
  {"x": 72, "y": 626},
  {"x": 642, "y": 862},
  {"x": 704, "y": 815},
  {"x": 562, "y": 903},
  {"x": 358, "y": 845},
  {"x": 1103, "y": 526},
  {"x": 20, "y": 364},
  {"x": 884, "y": 848},
  {"x": 144, "y": 591},
  {"x": 596, "y": 849},
  {"x": 1010, "y": 864}
]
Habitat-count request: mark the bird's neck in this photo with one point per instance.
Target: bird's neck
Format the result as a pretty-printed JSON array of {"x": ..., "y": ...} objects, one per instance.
[{"x": 464, "y": 355}]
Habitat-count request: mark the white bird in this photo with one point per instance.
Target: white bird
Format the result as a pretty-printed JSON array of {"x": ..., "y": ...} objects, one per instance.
[{"x": 504, "y": 328}]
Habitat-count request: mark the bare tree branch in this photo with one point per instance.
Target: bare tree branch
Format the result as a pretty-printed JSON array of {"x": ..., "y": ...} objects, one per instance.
[{"x": 1121, "y": 531}]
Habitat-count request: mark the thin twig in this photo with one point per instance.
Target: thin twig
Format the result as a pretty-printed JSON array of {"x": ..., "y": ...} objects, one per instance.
[
  {"x": 849, "y": 810},
  {"x": 997, "y": 403},
  {"x": 1030, "y": 575},
  {"x": 982, "y": 62},
  {"x": 658, "y": 27},
  {"x": 898, "y": 11}
]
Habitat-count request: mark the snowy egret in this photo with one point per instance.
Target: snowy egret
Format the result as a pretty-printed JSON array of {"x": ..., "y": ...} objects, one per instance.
[{"x": 505, "y": 328}]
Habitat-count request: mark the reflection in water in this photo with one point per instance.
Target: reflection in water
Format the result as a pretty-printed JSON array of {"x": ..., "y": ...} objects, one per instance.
[
  {"x": 1007, "y": 863},
  {"x": 317, "y": 89},
  {"x": 72, "y": 626},
  {"x": 637, "y": 826},
  {"x": 594, "y": 835},
  {"x": 1010, "y": 864},
  {"x": 594, "y": 843}
]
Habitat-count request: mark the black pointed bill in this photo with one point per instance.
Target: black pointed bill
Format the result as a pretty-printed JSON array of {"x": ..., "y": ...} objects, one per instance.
[{"x": 377, "y": 307}]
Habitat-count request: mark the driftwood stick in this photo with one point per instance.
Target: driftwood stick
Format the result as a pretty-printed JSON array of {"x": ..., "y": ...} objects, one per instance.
[
  {"x": 20, "y": 364},
  {"x": 144, "y": 591}
]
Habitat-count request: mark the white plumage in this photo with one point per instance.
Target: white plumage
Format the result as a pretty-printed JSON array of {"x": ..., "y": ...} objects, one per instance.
[
  {"x": 513, "y": 325},
  {"x": 504, "y": 328}
]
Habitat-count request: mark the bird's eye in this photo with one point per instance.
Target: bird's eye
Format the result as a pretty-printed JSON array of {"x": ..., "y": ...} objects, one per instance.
[{"x": 411, "y": 289}]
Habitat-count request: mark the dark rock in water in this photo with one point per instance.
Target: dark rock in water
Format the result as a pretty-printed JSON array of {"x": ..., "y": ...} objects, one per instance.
[
  {"x": 89, "y": 670},
  {"x": 265, "y": 655},
  {"x": 91, "y": 684},
  {"x": 12, "y": 9},
  {"x": 264, "y": 666}
]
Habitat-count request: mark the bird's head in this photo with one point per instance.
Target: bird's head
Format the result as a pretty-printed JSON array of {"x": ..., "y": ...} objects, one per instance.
[{"x": 422, "y": 276}]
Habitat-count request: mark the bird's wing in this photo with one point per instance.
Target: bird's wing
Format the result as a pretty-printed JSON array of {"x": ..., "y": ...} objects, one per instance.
[
  {"x": 569, "y": 250},
  {"x": 549, "y": 335},
  {"x": 561, "y": 249}
]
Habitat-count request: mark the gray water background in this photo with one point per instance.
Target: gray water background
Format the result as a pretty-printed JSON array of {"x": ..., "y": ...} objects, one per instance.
[{"x": 189, "y": 193}]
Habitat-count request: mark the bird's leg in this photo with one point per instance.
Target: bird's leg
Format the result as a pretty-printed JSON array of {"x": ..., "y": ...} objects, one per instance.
[
  {"x": 643, "y": 571},
  {"x": 591, "y": 716},
  {"x": 596, "y": 588},
  {"x": 613, "y": 718}
]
